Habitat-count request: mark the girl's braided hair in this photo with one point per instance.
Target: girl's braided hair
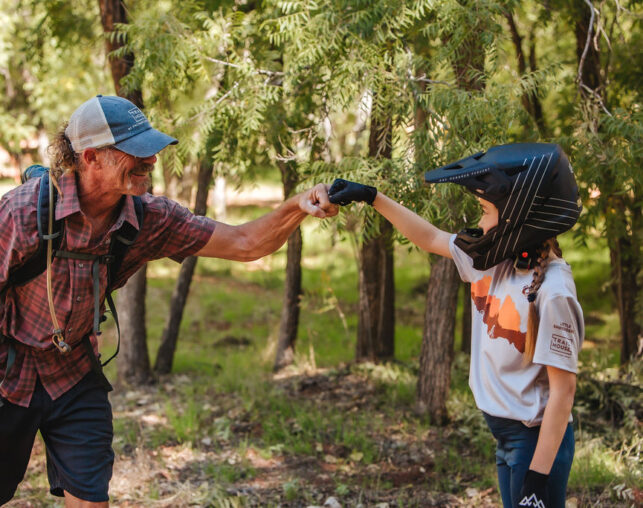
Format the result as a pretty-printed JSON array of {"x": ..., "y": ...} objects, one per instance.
[
  {"x": 62, "y": 155},
  {"x": 548, "y": 246}
]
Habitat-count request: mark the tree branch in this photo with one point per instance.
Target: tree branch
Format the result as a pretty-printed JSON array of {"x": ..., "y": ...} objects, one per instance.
[
  {"x": 590, "y": 28},
  {"x": 596, "y": 96},
  {"x": 217, "y": 102},
  {"x": 236, "y": 66},
  {"x": 424, "y": 79},
  {"x": 588, "y": 41}
]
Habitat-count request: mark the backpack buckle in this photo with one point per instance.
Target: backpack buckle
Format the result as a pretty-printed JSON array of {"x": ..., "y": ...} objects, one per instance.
[{"x": 59, "y": 341}]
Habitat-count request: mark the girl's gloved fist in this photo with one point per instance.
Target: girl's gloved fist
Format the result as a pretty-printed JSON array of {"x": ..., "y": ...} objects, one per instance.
[
  {"x": 344, "y": 192},
  {"x": 534, "y": 490}
]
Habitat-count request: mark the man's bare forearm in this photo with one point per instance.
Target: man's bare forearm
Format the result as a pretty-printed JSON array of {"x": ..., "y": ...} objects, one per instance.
[{"x": 263, "y": 236}]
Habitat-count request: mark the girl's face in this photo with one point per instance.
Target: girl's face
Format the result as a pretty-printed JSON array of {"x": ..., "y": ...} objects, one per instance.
[{"x": 489, "y": 217}]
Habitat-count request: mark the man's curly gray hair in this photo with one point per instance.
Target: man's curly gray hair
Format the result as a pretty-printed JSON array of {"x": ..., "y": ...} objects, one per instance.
[{"x": 63, "y": 159}]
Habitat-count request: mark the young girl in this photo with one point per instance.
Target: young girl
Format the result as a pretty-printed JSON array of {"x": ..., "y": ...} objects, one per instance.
[{"x": 527, "y": 324}]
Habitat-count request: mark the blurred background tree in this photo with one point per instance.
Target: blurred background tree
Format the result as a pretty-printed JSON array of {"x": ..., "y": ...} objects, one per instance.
[{"x": 51, "y": 59}]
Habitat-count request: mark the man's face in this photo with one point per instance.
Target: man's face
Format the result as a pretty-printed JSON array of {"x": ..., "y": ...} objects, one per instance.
[{"x": 126, "y": 173}]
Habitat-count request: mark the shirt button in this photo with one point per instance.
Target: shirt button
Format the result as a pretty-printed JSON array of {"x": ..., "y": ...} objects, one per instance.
[
  {"x": 69, "y": 330},
  {"x": 78, "y": 298},
  {"x": 81, "y": 265}
]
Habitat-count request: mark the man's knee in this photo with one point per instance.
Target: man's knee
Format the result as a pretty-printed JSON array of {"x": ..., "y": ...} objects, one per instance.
[{"x": 72, "y": 501}]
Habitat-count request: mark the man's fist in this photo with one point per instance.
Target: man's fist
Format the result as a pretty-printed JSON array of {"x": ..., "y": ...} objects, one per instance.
[
  {"x": 315, "y": 202},
  {"x": 344, "y": 192}
]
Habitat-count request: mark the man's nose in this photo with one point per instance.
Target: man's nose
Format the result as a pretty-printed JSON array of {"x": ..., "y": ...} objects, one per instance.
[{"x": 149, "y": 160}]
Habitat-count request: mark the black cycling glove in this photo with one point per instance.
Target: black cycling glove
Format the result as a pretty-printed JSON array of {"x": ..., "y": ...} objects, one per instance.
[
  {"x": 343, "y": 192},
  {"x": 534, "y": 490}
]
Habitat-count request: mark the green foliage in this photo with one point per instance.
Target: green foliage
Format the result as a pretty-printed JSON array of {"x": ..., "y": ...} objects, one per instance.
[
  {"x": 201, "y": 80},
  {"x": 291, "y": 489},
  {"x": 186, "y": 420},
  {"x": 304, "y": 429},
  {"x": 395, "y": 384},
  {"x": 50, "y": 61}
]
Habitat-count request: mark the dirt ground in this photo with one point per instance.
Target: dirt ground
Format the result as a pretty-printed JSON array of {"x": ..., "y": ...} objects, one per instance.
[{"x": 181, "y": 475}]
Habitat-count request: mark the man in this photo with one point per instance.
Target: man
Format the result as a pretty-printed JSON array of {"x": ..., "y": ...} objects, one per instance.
[{"x": 101, "y": 161}]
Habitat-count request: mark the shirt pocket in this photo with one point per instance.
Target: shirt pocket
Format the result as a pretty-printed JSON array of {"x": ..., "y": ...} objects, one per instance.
[{"x": 75, "y": 296}]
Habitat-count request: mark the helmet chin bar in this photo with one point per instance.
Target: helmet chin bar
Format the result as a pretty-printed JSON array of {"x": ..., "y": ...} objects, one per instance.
[{"x": 476, "y": 244}]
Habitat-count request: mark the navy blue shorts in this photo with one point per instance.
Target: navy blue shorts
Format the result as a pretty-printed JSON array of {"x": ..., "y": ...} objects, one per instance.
[
  {"x": 515, "y": 448},
  {"x": 77, "y": 431}
]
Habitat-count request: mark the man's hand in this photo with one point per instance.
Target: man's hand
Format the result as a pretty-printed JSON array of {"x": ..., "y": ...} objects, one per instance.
[
  {"x": 534, "y": 490},
  {"x": 344, "y": 192},
  {"x": 315, "y": 202}
]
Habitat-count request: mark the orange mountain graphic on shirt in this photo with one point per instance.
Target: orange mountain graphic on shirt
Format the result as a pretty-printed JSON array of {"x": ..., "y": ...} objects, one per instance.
[{"x": 501, "y": 317}]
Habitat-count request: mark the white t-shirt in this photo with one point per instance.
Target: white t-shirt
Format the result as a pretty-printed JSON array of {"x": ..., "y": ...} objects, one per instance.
[{"x": 501, "y": 383}]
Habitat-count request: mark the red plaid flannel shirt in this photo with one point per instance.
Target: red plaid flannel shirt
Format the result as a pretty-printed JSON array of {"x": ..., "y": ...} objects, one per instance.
[{"x": 169, "y": 230}]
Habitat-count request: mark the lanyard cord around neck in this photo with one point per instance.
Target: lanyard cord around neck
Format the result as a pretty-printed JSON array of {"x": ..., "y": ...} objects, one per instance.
[{"x": 58, "y": 337}]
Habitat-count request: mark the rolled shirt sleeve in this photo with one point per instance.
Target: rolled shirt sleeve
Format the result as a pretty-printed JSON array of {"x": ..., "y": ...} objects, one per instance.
[
  {"x": 560, "y": 332},
  {"x": 168, "y": 230}
]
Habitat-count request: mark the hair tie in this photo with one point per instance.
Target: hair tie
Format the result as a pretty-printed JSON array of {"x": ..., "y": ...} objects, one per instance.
[{"x": 531, "y": 297}]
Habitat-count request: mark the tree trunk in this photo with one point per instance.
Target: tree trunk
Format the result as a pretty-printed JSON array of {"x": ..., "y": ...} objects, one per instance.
[
  {"x": 434, "y": 377},
  {"x": 218, "y": 199},
  {"x": 530, "y": 100},
  {"x": 290, "y": 309},
  {"x": 470, "y": 57},
  {"x": 134, "y": 361},
  {"x": 437, "y": 341},
  {"x": 112, "y": 12},
  {"x": 623, "y": 212},
  {"x": 170, "y": 335},
  {"x": 626, "y": 265},
  {"x": 466, "y": 318},
  {"x": 591, "y": 68},
  {"x": 134, "y": 366},
  {"x": 376, "y": 322},
  {"x": 625, "y": 270}
]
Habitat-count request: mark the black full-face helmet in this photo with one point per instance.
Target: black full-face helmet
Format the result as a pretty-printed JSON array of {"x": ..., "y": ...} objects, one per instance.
[{"x": 533, "y": 187}]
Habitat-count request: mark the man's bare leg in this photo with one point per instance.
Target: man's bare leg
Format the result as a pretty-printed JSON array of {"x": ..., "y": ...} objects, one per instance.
[{"x": 74, "y": 502}]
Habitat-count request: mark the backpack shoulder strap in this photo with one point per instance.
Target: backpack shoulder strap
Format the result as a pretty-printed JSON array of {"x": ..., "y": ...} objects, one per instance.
[
  {"x": 121, "y": 241},
  {"x": 37, "y": 263}
]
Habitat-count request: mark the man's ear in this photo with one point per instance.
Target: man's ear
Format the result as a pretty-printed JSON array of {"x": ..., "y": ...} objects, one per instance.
[{"x": 89, "y": 158}]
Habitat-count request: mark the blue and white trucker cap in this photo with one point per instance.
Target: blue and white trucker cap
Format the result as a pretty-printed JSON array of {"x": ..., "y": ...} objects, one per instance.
[{"x": 114, "y": 121}]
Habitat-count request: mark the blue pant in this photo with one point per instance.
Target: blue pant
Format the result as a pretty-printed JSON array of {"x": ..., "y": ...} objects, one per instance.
[
  {"x": 77, "y": 431},
  {"x": 516, "y": 444}
]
